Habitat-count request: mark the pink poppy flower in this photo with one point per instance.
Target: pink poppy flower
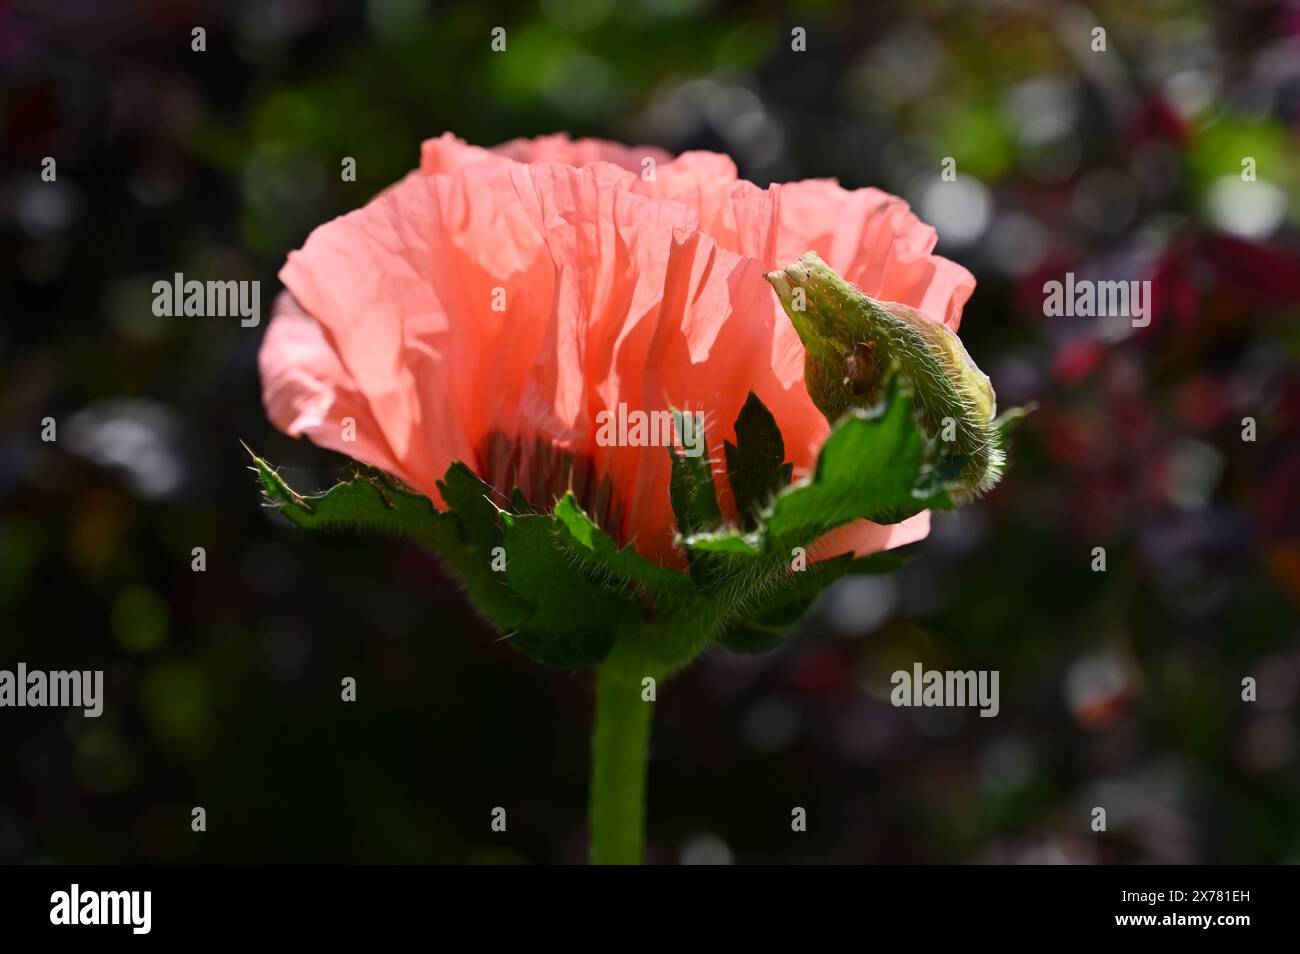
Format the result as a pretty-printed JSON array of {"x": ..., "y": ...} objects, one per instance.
[{"x": 488, "y": 307}]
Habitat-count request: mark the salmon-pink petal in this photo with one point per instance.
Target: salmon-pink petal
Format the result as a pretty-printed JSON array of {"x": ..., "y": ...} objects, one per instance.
[
  {"x": 706, "y": 182},
  {"x": 368, "y": 278},
  {"x": 631, "y": 272},
  {"x": 447, "y": 153},
  {"x": 863, "y": 538},
  {"x": 308, "y": 393},
  {"x": 690, "y": 176},
  {"x": 872, "y": 239}
]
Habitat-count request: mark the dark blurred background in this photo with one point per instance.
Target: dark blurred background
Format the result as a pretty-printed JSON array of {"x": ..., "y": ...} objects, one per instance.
[{"x": 1120, "y": 689}]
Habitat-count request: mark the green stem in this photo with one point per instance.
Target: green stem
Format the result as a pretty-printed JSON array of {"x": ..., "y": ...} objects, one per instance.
[{"x": 619, "y": 740}]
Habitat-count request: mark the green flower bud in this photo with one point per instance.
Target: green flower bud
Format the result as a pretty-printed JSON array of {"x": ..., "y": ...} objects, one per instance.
[{"x": 855, "y": 344}]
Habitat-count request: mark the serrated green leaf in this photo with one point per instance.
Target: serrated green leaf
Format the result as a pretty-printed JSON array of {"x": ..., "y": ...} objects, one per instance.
[
  {"x": 695, "y": 505},
  {"x": 666, "y": 588},
  {"x": 872, "y": 466},
  {"x": 694, "y": 499},
  {"x": 783, "y": 602},
  {"x": 756, "y": 465},
  {"x": 725, "y": 541},
  {"x": 519, "y": 503},
  {"x": 770, "y": 618},
  {"x": 471, "y": 500},
  {"x": 868, "y": 468},
  {"x": 576, "y": 620}
]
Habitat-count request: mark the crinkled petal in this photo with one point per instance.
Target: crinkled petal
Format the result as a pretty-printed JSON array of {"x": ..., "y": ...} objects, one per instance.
[
  {"x": 873, "y": 240},
  {"x": 308, "y": 392}
]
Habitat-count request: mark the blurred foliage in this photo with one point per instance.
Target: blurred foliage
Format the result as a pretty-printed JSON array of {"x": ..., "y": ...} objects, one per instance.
[{"x": 1120, "y": 688}]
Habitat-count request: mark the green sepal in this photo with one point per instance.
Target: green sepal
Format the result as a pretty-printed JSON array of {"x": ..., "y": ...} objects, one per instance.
[
  {"x": 665, "y": 590},
  {"x": 756, "y": 466}
]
